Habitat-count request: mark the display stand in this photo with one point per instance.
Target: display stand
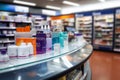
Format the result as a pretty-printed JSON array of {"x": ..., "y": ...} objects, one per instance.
[{"x": 45, "y": 66}]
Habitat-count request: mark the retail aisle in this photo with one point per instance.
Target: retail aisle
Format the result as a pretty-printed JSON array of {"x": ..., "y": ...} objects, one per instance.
[{"x": 105, "y": 65}]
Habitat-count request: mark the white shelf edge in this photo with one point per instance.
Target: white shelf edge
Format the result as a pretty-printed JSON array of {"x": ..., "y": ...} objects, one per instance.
[{"x": 7, "y": 27}]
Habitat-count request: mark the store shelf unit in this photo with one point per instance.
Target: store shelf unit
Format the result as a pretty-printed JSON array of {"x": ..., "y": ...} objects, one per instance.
[
  {"x": 63, "y": 22},
  {"x": 68, "y": 22},
  {"x": 8, "y": 26},
  {"x": 103, "y": 31},
  {"x": 47, "y": 66},
  {"x": 117, "y": 33},
  {"x": 39, "y": 22},
  {"x": 84, "y": 26}
]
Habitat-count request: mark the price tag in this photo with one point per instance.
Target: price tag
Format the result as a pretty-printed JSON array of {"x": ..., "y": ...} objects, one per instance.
[
  {"x": 118, "y": 11},
  {"x": 97, "y": 13},
  {"x": 79, "y": 15}
]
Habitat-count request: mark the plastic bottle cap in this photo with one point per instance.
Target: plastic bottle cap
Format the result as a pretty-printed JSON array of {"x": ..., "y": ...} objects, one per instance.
[
  {"x": 23, "y": 44},
  {"x": 29, "y": 43},
  {"x": 3, "y": 52},
  {"x": 78, "y": 34}
]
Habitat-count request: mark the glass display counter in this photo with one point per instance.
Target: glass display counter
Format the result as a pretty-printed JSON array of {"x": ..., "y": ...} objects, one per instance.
[{"x": 49, "y": 66}]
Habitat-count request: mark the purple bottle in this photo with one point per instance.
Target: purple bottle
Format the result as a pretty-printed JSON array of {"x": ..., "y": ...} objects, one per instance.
[
  {"x": 48, "y": 41},
  {"x": 41, "y": 42}
]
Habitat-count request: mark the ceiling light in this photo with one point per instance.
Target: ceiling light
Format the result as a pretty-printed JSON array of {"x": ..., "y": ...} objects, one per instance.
[
  {"x": 102, "y": 0},
  {"x": 51, "y": 0},
  {"x": 53, "y": 7},
  {"x": 24, "y": 2},
  {"x": 70, "y": 3},
  {"x": 48, "y": 12}
]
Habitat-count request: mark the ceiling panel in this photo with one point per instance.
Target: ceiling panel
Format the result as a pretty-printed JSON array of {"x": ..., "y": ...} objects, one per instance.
[{"x": 57, "y": 3}]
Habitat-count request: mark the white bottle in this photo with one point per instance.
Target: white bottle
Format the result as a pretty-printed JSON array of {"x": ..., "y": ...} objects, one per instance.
[
  {"x": 56, "y": 48},
  {"x": 31, "y": 51},
  {"x": 42, "y": 27},
  {"x": 23, "y": 51},
  {"x": 12, "y": 51},
  {"x": 48, "y": 27},
  {"x": 3, "y": 56},
  {"x": 45, "y": 29}
]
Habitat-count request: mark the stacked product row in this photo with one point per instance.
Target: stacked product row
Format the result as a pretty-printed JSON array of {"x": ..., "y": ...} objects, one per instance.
[
  {"x": 84, "y": 24},
  {"x": 44, "y": 42},
  {"x": 100, "y": 29},
  {"x": 8, "y": 26},
  {"x": 103, "y": 31},
  {"x": 51, "y": 41},
  {"x": 117, "y": 33},
  {"x": 63, "y": 22}
]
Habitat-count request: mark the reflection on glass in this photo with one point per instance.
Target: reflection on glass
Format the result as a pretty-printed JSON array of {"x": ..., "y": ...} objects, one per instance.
[{"x": 66, "y": 62}]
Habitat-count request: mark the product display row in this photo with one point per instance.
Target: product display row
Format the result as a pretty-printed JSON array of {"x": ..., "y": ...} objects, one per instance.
[
  {"x": 63, "y": 22},
  {"x": 44, "y": 41},
  {"x": 103, "y": 30},
  {"x": 117, "y": 33},
  {"x": 84, "y": 25},
  {"x": 20, "y": 18},
  {"x": 49, "y": 66},
  {"x": 12, "y": 23},
  {"x": 100, "y": 28},
  {"x": 43, "y": 53}
]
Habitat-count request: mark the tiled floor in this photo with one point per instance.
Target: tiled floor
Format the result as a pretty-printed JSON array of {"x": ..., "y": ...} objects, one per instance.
[{"x": 105, "y": 65}]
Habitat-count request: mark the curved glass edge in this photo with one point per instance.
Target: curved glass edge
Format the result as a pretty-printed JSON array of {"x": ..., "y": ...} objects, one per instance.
[
  {"x": 51, "y": 68},
  {"x": 68, "y": 62},
  {"x": 16, "y": 64}
]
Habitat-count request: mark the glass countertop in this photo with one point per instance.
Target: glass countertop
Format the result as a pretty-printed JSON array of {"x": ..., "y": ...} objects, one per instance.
[{"x": 45, "y": 66}]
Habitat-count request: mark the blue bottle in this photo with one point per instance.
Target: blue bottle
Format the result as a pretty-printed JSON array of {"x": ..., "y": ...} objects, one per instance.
[
  {"x": 61, "y": 39},
  {"x": 55, "y": 38}
]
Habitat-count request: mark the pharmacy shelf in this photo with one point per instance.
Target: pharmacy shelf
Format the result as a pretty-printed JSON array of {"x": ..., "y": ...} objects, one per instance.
[
  {"x": 8, "y": 28},
  {"x": 103, "y": 31},
  {"x": 7, "y": 21},
  {"x": 10, "y": 35},
  {"x": 117, "y": 34},
  {"x": 3, "y": 48},
  {"x": 84, "y": 26},
  {"x": 6, "y": 35},
  {"x": 10, "y": 41},
  {"x": 57, "y": 64},
  {"x": 117, "y": 49}
]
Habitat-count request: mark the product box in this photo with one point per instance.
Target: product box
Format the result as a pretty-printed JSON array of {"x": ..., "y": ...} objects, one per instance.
[
  {"x": 27, "y": 40},
  {"x": 23, "y": 29}
]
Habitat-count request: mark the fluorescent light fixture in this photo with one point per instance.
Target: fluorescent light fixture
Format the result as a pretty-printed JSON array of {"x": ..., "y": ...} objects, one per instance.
[
  {"x": 24, "y": 2},
  {"x": 102, "y": 0},
  {"x": 48, "y": 12},
  {"x": 53, "y": 7},
  {"x": 51, "y": 0},
  {"x": 70, "y": 3},
  {"x": 91, "y": 7}
]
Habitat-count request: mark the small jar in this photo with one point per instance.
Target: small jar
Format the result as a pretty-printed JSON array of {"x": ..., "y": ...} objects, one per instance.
[
  {"x": 12, "y": 51},
  {"x": 57, "y": 48},
  {"x": 23, "y": 51},
  {"x": 31, "y": 51},
  {"x": 3, "y": 56}
]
